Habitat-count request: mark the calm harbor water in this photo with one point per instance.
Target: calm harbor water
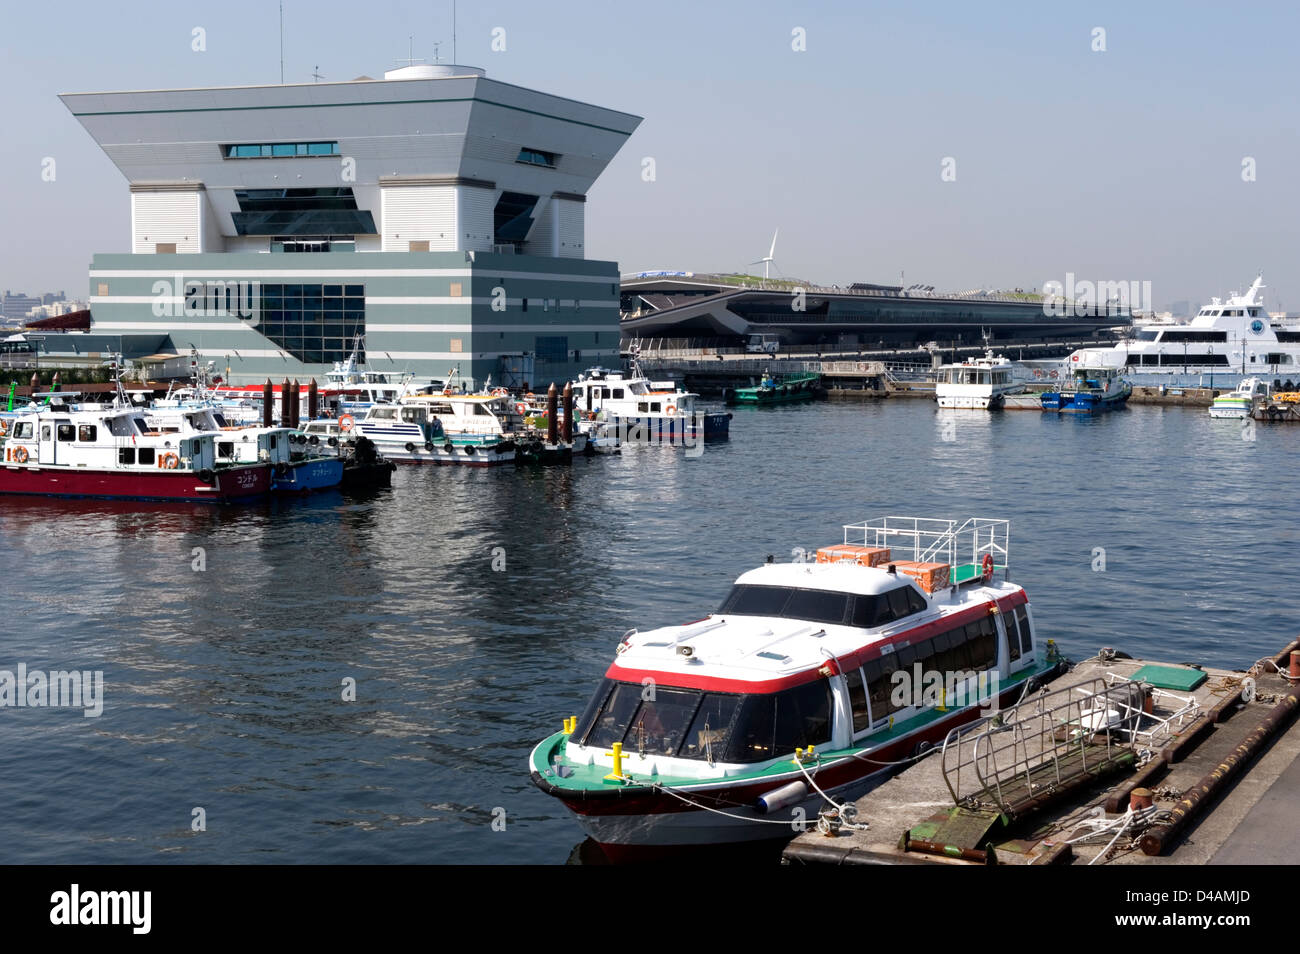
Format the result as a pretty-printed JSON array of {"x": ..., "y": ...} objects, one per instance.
[{"x": 223, "y": 686}]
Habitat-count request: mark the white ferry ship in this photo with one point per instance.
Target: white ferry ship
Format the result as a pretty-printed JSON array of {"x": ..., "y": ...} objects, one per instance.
[{"x": 1232, "y": 337}]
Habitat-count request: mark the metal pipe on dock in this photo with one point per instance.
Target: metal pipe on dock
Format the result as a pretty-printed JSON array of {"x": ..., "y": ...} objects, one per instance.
[
  {"x": 294, "y": 402},
  {"x": 284, "y": 403},
  {"x": 1197, "y": 799},
  {"x": 313, "y": 401},
  {"x": 552, "y": 429},
  {"x": 268, "y": 403},
  {"x": 566, "y": 434}
]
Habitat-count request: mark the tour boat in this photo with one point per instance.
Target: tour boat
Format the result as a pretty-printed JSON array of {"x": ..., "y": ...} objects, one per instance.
[
  {"x": 786, "y": 389},
  {"x": 652, "y": 411},
  {"x": 976, "y": 383},
  {"x": 810, "y": 684},
  {"x": 1241, "y": 403},
  {"x": 66, "y": 449},
  {"x": 472, "y": 430},
  {"x": 1089, "y": 391},
  {"x": 1236, "y": 336}
]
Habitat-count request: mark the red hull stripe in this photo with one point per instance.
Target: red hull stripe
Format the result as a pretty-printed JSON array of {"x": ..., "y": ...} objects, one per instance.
[{"x": 689, "y": 680}]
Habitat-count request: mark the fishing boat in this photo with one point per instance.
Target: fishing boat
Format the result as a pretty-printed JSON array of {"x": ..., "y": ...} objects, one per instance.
[
  {"x": 473, "y": 430},
  {"x": 811, "y": 683},
  {"x": 771, "y": 389},
  {"x": 976, "y": 383},
  {"x": 1088, "y": 391},
  {"x": 110, "y": 450},
  {"x": 654, "y": 411},
  {"x": 1242, "y": 401}
]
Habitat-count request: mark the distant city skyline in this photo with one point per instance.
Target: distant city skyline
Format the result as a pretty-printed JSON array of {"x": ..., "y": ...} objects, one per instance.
[{"x": 951, "y": 145}]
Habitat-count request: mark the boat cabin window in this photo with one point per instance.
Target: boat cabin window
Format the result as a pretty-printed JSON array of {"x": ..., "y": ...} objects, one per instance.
[
  {"x": 1147, "y": 335},
  {"x": 618, "y": 393},
  {"x": 87, "y": 432},
  {"x": 858, "y": 700},
  {"x": 23, "y": 430},
  {"x": 45, "y": 432},
  {"x": 145, "y": 456},
  {"x": 642, "y": 406},
  {"x": 226, "y": 449},
  {"x": 823, "y": 606},
  {"x": 413, "y": 415},
  {"x": 220, "y": 419},
  {"x": 66, "y": 432},
  {"x": 126, "y": 455},
  {"x": 383, "y": 413},
  {"x": 721, "y": 727},
  {"x": 481, "y": 410}
]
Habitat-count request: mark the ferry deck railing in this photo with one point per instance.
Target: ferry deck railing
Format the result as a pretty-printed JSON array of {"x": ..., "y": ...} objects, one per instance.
[{"x": 931, "y": 540}]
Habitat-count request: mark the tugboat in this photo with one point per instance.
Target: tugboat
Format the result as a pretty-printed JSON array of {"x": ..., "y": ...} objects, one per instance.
[
  {"x": 787, "y": 389},
  {"x": 1090, "y": 391},
  {"x": 977, "y": 383},
  {"x": 809, "y": 685},
  {"x": 65, "y": 449}
]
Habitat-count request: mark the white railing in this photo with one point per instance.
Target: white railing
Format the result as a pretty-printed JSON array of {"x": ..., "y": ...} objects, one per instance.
[{"x": 931, "y": 540}]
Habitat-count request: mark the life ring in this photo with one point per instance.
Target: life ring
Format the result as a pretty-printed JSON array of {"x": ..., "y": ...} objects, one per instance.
[
  {"x": 1074, "y": 357},
  {"x": 20, "y": 455},
  {"x": 499, "y": 392},
  {"x": 1038, "y": 372},
  {"x": 522, "y": 409},
  {"x": 1053, "y": 374},
  {"x": 671, "y": 409},
  {"x": 987, "y": 566},
  {"x": 4, "y": 428},
  {"x": 169, "y": 461},
  {"x": 346, "y": 422}
]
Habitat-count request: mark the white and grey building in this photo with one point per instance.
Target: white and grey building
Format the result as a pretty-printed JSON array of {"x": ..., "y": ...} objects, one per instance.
[{"x": 436, "y": 212}]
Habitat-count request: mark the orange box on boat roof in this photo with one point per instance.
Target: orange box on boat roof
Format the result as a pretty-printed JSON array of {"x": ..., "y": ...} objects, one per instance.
[
  {"x": 848, "y": 553},
  {"x": 929, "y": 576}
]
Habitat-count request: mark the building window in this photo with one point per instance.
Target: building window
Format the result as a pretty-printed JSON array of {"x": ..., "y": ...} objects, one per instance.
[
  {"x": 317, "y": 324},
  {"x": 525, "y": 301},
  {"x": 164, "y": 248},
  {"x": 418, "y": 246},
  {"x": 456, "y": 345},
  {"x": 455, "y": 290},
  {"x": 103, "y": 288},
  {"x": 280, "y": 150},
  {"x": 552, "y": 348},
  {"x": 537, "y": 157}
]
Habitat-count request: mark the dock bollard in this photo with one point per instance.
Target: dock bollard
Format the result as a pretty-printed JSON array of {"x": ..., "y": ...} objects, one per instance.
[
  {"x": 552, "y": 428},
  {"x": 1140, "y": 798},
  {"x": 1295, "y": 664}
]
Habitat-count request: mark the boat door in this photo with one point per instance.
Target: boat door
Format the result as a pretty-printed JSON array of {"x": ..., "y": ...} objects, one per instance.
[
  {"x": 53, "y": 433},
  {"x": 1019, "y": 639}
]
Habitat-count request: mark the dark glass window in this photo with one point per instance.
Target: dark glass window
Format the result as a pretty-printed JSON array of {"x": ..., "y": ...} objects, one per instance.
[
  {"x": 858, "y": 700},
  {"x": 126, "y": 455},
  {"x": 66, "y": 432},
  {"x": 226, "y": 449},
  {"x": 1013, "y": 635},
  {"x": 660, "y": 723},
  {"x": 280, "y": 150},
  {"x": 871, "y": 611},
  {"x": 899, "y": 604},
  {"x": 880, "y": 687},
  {"x": 803, "y": 717},
  {"x": 710, "y": 732},
  {"x": 817, "y": 606},
  {"x": 537, "y": 157},
  {"x": 616, "y": 716},
  {"x": 145, "y": 456},
  {"x": 302, "y": 319},
  {"x": 552, "y": 348},
  {"x": 1026, "y": 637},
  {"x": 87, "y": 432},
  {"x": 748, "y": 600}
]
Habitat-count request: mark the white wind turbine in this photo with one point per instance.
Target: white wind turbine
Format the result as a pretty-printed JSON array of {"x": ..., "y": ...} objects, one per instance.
[{"x": 767, "y": 262}]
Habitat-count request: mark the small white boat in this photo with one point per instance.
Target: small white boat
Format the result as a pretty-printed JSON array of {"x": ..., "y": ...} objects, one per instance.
[
  {"x": 1242, "y": 402},
  {"x": 980, "y": 384}
]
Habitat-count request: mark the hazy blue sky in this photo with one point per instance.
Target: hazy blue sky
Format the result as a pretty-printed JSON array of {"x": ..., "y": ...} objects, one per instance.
[{"x": 1116, "y": 165}]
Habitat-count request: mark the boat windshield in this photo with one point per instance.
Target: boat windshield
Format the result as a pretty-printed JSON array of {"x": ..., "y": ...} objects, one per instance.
[
  {"x": 822, "y": 606},
  {"x": 712, "y": 726}
]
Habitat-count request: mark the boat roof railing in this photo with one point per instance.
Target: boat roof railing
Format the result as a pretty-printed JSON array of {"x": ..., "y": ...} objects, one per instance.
[{"x": 933, "y": 540}]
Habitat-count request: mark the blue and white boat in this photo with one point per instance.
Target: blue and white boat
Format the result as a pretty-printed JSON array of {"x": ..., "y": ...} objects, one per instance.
[
  {"x": 1089, "y": 391},
  {"x": 651, "y": 411}
]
